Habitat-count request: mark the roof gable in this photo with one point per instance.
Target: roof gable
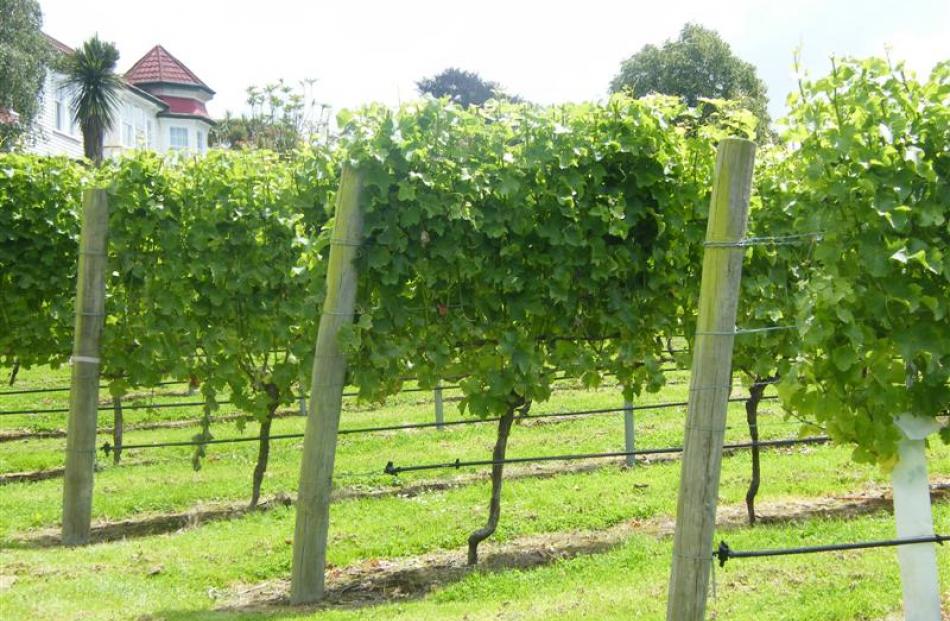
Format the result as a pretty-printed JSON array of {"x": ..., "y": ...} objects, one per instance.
[
  {"x": 58, "y": 45},
  {"x": 159, "y": 66}
]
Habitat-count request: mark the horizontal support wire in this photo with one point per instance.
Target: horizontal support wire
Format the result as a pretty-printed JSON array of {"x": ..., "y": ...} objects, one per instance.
[
  {"x": 31, "y": 391},
  {"x": 102, "y": 408},
  {"x": 28, "y": 391},
  {"x": 779, "y": 240},
  {"x": 474, "y": 421},
  {"x": 723, "y": 553},
  {"x": 738, "y": 331},
  {"x": 458, "y": 463},
  {"x": 157, "y": 406}
]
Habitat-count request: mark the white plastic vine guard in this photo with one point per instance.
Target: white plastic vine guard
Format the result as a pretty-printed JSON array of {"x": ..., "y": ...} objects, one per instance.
[{"x": 914, "y": 518}]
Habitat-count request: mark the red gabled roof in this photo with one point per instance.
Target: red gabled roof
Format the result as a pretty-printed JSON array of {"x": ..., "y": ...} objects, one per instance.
[
  {"x": 185, "y": 106},
  {"x": 159, "y": 66}
]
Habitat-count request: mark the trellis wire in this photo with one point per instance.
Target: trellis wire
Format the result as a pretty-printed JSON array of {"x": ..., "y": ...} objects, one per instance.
[
  {"x": 723, "y": 553},
  {"x": 152, "y": 406},
  {"x": 458, "y": 463},
  {"x": 474, "y": 421},
  {"x": 779, "y": 240},
  {"x": 32, "y": 391},
  {"x": 157, "y": 406}
]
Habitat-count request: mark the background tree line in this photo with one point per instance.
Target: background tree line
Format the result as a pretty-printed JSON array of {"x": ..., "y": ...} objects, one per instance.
[{"x": 696, "y": 66}]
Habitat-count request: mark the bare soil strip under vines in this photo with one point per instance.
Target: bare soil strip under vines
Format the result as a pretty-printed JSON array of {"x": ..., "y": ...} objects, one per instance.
[{"x": 377, "y": 581}]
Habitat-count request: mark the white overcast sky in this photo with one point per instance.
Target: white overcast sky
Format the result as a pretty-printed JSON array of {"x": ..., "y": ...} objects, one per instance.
[{"x": 553, "y": 51}]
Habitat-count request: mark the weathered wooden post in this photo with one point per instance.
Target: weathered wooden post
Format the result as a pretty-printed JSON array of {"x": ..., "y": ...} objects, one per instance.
[
  {"x": 326, "y": 397},
  {"x": 84, "y": 387},
  {"x": 711, "y": 381},
  {"x": 439, "y": 413},
  {"x": 628, "y": 432}
]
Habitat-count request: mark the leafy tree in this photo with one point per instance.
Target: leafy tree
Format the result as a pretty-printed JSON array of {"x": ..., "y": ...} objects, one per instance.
[
  {"x": 90, "y": 73},
  {"x": 281, "y": 119},
  {"x": 465, "y": 88},
  {"x": 698, "y": 65},
  {"x": 24, "y": 53}
]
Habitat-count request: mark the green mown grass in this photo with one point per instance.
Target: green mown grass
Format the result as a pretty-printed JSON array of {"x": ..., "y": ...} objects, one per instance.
[
  {"x": 180, "y": 576},
  {"x": 175, "y": 575}
]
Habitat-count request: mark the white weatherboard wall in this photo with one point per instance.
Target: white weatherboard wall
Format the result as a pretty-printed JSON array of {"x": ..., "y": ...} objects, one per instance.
[
  {"x": 193, "y": 127},
  {"x": 136, "y": 124},
  {"x": 52, "y": 136}
]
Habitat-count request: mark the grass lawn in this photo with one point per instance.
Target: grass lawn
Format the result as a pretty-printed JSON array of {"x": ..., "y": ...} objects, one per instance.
[{"x": 220, "y": 569}]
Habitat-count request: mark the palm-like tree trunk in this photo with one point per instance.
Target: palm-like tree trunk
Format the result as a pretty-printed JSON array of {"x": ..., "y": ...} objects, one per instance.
[
  {"x": 92, "y": 144},
  {"x": 90, "y": 75}
]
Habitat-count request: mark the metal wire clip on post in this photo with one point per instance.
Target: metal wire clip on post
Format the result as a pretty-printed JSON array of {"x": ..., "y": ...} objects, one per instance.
[{"x": 779, "y": 240}]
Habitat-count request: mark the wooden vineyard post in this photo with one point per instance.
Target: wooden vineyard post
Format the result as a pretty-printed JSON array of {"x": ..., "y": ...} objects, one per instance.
[
  {"x": 439, "y": 412},
  {"x": 628, "y": 432},
  {"x": 84, "y": 387},
  {"x": 326, "y": 397},
  {"x": 711, "y": 381}
]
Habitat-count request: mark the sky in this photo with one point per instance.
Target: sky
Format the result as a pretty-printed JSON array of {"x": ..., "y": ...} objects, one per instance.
[{"x": 361, "y": 51}]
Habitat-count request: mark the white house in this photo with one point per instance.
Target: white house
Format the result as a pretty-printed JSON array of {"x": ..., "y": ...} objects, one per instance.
[{"x": 162, "y": 107}]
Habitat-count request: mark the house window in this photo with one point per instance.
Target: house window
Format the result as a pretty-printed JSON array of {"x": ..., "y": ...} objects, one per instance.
[
  {"x": 178, "y": 137},
  {"x": 141, "y": 128},
  {"x": 200, "y": 140},
  {"x": 59, "y": 110},
  {"x": 128, "y": 134},
  {"x": 63, "y": 119},
  {"x": 59, "y": 115},
  {"x": 149, "y": 134}
]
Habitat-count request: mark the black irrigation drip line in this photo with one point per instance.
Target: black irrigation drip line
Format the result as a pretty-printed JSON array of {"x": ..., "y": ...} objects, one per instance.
[
  {"x": 395, "y": 470},
  {"x": 724, "y": 552}
]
